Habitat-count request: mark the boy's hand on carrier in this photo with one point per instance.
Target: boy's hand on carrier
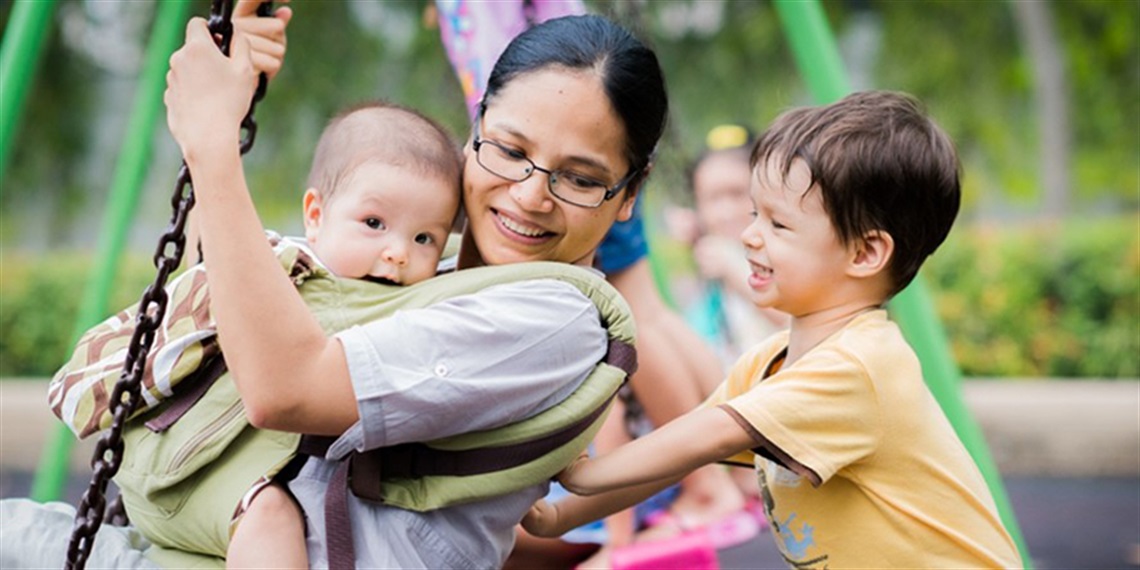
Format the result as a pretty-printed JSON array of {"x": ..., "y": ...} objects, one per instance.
[
  {"x": 567, "y": 477},
  {"x": 541, "y": 520},
  {"x": 266, "y": 35},
  {"x": 208, "y": 94}
]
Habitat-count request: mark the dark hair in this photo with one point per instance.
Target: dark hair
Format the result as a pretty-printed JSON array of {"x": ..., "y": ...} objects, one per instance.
[
  {"x": 729, "y": 140},
  {"x": 378, "y": 131},
  {"x": 880, "y": 163},
  {"x": 629, "y": 71}
]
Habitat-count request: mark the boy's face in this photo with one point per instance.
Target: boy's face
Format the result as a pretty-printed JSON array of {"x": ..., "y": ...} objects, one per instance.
[
  {"x": 385, "y": 223},
  {"x": 796, "y": 257}
]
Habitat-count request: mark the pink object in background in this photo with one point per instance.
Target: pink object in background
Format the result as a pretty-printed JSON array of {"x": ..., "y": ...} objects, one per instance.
[
  {"x": 475, "y": 32},
  {"x": 688, "y": 551}
]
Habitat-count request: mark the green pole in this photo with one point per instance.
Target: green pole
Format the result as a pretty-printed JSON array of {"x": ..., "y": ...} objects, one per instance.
[
  {"x": 813, "y": 46},
  {"x": 130, "y": 169},
  {"x": 19, "y": 56}
]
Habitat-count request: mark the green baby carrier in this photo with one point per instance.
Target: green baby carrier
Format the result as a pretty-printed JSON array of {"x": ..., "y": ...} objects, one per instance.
[{"x": 190, "y": 453}]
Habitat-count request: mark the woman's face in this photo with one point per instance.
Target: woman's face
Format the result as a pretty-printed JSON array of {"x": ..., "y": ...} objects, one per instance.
[{"x": 561, "y": 120}]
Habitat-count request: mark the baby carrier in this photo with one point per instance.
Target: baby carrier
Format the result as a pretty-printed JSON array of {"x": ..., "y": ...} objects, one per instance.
[{"x": 190, "y": 453}]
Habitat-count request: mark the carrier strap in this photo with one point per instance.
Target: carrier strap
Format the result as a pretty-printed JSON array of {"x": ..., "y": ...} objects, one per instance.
[
  {"x": 188, "y": 393},
  {"x": 338, "y": 527}
]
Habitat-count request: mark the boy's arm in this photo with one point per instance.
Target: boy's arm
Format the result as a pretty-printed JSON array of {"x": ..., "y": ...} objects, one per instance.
[
  {"x": 695, "y": 439},
  {"x": 635, "y": 471},
  {"x": 550, "y": 520}
]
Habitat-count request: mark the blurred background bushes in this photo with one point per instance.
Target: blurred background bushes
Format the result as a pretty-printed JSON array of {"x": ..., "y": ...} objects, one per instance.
[{"x": 1042, "y": 300}]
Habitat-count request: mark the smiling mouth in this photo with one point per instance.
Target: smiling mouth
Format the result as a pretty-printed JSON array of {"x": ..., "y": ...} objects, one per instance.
[
  {"x": 761, "y": 270},
  {"x": 520, "y": 229},
  {"x": 380, "y": 280}
]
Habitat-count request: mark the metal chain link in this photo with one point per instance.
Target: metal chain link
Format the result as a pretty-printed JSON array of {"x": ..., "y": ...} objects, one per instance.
[{"x": 125, "y": 396}]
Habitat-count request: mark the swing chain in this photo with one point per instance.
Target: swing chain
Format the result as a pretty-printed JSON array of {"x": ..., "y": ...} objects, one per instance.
[{"x": 125, "y": 396}]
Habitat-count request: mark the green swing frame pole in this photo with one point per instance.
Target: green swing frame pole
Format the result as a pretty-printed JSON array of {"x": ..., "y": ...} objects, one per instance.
[
  {"x": 130, "y": 171},
  {"x": 19, "y": 57},
  {"x": 813, "y": 46}
]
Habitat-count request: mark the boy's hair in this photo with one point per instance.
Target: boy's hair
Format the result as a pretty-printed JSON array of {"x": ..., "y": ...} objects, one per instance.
[
  {"x": 381, "y": 132},
  {"x": 880, "y": 163}
]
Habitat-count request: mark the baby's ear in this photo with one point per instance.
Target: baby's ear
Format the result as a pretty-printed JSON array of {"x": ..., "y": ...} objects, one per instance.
[
  {"x": 312, "y": 209},
  {"x": 872, "y": 255}
]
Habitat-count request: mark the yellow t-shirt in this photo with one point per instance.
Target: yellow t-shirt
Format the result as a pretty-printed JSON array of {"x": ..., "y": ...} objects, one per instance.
[{"x": 887, "y": 483}]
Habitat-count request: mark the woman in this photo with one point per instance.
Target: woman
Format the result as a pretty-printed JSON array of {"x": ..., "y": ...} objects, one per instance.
[{"x": 563, "y": 141}]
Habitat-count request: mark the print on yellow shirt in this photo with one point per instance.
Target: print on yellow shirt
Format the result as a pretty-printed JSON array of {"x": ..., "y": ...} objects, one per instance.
[{"x": 793, "y": 537}]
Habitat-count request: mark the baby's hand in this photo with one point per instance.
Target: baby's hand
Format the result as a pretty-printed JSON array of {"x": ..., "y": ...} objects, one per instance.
[
  {"x": 542, "y": 520},
  {"x": 207, "y": 94},
  {"x": 266, "y": 35}
]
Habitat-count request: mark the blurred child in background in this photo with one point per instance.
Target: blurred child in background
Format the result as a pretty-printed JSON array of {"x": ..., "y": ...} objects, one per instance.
[{"x": 722, "y": 312}]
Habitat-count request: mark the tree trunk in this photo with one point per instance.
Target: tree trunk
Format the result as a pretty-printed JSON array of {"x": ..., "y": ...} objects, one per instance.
[{"x": 1035, "y": 24}]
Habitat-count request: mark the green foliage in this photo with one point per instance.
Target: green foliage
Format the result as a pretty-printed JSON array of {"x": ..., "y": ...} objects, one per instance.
[
  {"x": 1042, "y": 300},
  {"x": 39, "y": 303},
  {"x": 1103, "y": 60}
]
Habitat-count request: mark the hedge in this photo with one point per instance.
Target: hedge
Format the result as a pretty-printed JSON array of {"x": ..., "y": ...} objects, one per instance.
[
  {"x": 1044, "y": 300},
  {"x": 1028, "y": 301}
]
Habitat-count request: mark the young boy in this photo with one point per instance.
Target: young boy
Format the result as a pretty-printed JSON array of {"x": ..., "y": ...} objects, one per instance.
[
  {"x": 383, "y": 195},
  {"x": 857, "y": 464}
]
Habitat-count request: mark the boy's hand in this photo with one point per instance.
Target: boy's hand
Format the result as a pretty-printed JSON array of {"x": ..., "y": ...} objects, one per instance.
[
  {"x": 207, "y": 94},
  {"x": 567, "y": 476},
  {"x": 542, "y": 520},
  {"x": 266, "y": 35}
]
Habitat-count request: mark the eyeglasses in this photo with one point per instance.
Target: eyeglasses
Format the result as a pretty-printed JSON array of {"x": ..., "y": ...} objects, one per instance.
[{"x": 566, "y": 185}]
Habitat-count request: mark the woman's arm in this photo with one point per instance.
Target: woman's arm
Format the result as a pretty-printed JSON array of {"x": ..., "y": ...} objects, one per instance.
[{"x": 273, "y": 345}]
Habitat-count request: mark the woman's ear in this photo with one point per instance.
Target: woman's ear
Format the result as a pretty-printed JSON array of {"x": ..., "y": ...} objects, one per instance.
[
  {"x": 627, "y": 203},
  {"x": 873, "y": 254},
  {"x": 631, "y": 192},
  {"x": 312, "y": 208}
]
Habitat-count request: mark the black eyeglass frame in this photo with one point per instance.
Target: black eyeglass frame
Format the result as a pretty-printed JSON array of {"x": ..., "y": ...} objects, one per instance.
[{"x": 477, "y": 141}]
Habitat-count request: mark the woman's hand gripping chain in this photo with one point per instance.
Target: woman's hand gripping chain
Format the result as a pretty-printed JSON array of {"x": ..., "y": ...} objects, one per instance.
[{"x": 208, "y": 94}]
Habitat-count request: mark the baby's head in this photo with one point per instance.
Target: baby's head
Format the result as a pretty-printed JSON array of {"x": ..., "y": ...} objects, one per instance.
[
  {"x": 886, "y": 177},
  {"x": 383, "y": 193}
]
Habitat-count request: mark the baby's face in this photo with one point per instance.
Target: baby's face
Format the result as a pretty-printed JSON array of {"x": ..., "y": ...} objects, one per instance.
[{"x": 386, "y": 223}]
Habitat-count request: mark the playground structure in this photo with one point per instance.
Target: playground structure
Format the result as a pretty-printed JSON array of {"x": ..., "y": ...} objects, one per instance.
[{"x": 816, "y": 56}]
